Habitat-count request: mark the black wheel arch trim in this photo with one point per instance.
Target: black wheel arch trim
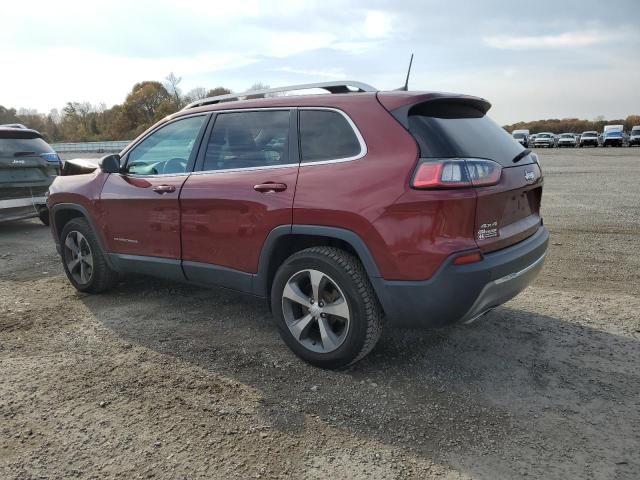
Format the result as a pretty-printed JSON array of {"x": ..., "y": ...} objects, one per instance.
[
  {"x": 261, "y": 279},
  {"x": 85, "y": 214}
]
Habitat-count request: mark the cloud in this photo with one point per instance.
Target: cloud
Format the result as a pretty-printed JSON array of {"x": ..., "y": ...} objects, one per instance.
[
  {"x": 562, "y": 40},
  {"x": 377, "y": 24}
]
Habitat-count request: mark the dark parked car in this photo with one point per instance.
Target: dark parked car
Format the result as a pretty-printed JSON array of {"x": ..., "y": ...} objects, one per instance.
[
  {"x": 28, "y": 165},
  {"x": 346, "y": 210}
]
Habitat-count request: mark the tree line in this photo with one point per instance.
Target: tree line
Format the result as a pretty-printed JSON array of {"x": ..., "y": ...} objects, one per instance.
[
  {"x": 148, "y": 102},
  {"x": 573, "y": 125}
]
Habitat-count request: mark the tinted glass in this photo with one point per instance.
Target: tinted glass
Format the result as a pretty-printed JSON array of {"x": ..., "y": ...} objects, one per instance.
[
  {"x": 326, "y": 135},
  {"x": 167, "y": 150},
  {"x": 248, "y": 140},
  {"x": 446, "y": 130},
  {"x": 10, "y": 147}
]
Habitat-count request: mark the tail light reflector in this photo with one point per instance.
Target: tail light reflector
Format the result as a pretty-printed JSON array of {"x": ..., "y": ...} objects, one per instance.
[
  {"x": 456, "y": 173},
  {"x": 468, "y": 258}
]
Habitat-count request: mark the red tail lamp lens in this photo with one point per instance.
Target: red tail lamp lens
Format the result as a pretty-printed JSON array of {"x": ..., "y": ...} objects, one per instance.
[{"x": 456, "y": 173}]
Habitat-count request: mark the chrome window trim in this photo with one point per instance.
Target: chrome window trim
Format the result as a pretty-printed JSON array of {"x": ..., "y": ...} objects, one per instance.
[{"x": 246, "y": 169}]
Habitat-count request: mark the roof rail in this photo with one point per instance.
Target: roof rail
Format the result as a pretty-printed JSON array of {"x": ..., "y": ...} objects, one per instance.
[
  {"x": 331, "y": 87},
  {"x": 14, "y": 125}
]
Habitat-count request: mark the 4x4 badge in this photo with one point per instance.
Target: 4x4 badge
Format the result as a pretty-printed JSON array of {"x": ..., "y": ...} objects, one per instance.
[{"x": 529, "y": 176}]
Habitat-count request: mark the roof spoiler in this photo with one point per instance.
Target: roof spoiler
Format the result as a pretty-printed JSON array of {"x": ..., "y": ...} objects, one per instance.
[{"x": 399, "y": 104}]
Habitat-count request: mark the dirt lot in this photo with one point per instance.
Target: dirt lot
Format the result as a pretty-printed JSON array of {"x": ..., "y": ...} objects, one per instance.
[{"x": 171, "y": 381}]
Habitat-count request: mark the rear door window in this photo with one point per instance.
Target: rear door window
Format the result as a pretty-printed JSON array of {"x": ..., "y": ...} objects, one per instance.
[
  {"x": 327, "y": 135},
  {"x": 450, "y": 130},
  {"x": 255, "y": 139}
]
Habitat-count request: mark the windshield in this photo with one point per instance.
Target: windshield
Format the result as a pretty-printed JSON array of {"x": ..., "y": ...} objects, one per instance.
[
  {"x": 543, "y": 135},
  {"x": 567, "y": 135},
  {"x": 451, "y": 129},
  {"x": 589, "y": 134},
  {"x": 518, "y": 135},
  {"x": 635, "y": 131}
]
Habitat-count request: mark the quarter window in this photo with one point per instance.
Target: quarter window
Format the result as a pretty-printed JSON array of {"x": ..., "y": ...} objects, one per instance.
[
  {"x": 326, "y": 135},
  {"x": 248, "y": 140},
  {"x": 167, "y": 150}
]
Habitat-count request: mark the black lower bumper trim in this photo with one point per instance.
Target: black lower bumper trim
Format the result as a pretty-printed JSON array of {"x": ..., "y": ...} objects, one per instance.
[{"x": 463, "y": 292}]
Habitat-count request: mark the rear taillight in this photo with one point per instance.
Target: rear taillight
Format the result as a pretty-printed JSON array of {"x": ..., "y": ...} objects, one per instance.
[
  {"x": 50, "y": 157},
  {"x": 456, "y": 173}
]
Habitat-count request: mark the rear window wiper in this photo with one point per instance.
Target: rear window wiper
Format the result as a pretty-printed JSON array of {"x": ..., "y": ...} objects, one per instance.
[
  {"x": 521, "y": 155},
  {"x": 23, "y": 154}
]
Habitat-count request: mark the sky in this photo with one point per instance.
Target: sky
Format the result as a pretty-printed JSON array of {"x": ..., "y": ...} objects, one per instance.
[{"x": 530, "y": 59}]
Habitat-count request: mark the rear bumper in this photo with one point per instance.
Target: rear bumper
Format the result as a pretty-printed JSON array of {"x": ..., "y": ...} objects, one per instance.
[
  {"x": 464, "y": 292},
  {"x": 21, "y": 208}
]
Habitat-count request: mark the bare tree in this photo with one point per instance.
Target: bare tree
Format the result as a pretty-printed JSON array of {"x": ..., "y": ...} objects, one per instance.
[
  {"x": 214, "y": 92},
  {"x": 171, "y": 85},
  {"x": 194, "y": 94}
]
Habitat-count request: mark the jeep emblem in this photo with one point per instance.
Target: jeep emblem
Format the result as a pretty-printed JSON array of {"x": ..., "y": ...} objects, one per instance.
[{"x": 529, "y": 176}]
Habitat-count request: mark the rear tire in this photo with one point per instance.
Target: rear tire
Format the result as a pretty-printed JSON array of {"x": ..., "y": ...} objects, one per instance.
[
  {"x": 325, "y": 307},
  {"x": 43, "y": 215},
  {"x": 83, "y": 260}
]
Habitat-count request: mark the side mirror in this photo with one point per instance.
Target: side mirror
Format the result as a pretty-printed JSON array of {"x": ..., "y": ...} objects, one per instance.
[{"x": 110, "y": 163}]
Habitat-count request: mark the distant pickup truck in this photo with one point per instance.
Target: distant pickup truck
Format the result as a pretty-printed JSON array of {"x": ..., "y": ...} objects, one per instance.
[
  {"x": 613, "y": 135},
  {"x": 634, "y": 138}
]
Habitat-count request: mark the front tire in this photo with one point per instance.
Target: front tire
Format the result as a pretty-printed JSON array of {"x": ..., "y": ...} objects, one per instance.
[
  {"x": 325, "y": 307},
  {"x": 83, "y": 260}
]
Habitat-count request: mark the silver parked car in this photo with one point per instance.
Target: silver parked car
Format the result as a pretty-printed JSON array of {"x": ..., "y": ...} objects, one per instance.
[
  {"x": 545, "y": 139},
  {"x": 567, "y": 140}
]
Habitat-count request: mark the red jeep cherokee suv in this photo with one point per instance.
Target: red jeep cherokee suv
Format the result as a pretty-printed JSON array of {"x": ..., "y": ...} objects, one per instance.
[{"x": 347, "y": 210}]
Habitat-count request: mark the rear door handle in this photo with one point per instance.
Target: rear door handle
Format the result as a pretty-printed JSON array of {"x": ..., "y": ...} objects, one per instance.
[
  {"x": 163, "y": 189},
  {"x": 270, "y": 187}
]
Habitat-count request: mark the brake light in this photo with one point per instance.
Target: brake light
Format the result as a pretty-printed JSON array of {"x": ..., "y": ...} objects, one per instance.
[
  {"x": 50, "y": 157},
  {"x": 456, "y": 173}
]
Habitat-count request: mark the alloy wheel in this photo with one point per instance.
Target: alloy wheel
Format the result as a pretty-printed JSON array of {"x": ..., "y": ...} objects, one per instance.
[
  {"x": 316, "y": 311},
  {"x": 78, "y": 257}
]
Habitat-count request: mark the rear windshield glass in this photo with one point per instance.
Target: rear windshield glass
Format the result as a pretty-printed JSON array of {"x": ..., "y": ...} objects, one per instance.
[
  {"x": 589, "y": 134},
  {"x": 10, "y": 147},
  {"x": 446, "y": 130}
]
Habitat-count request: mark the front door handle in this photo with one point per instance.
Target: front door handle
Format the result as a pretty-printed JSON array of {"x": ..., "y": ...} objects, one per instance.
[
  {"x": 164, "y": 189},
  {"x": 270, "y": 187}
]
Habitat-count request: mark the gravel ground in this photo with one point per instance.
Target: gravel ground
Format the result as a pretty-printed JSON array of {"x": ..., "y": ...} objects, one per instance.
[{"x": 171, "y": 381}]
